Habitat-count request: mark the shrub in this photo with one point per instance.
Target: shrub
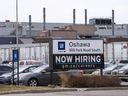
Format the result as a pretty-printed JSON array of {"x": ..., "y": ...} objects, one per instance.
[{"x": 89, "y": 81}]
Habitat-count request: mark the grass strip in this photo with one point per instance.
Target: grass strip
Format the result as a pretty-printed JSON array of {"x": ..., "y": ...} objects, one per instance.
[{"x": 13, "y": 88}]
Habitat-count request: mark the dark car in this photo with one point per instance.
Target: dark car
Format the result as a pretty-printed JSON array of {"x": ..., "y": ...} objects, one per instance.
[
  {"x": 6, "y": 62},
  {"x": 41, "y": 76},
  {"x": 6, "y": 77},
  {"x": 5, "y": 69}
]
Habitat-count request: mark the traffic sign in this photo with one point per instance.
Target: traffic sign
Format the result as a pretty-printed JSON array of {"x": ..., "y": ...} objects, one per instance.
[{"x": 15, "y": 55}]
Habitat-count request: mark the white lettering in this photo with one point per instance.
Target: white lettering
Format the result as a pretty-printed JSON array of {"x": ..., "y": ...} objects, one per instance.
[
  {"x": 63, "y": 59},
  {"x": 77, "y": 59},
  {"x": 87, "y": 59}
]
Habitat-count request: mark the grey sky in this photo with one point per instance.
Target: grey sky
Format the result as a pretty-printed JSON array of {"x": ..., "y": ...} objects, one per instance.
[{"x": 61, "y": 10}]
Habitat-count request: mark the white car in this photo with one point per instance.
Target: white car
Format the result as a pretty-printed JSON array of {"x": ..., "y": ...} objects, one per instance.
[
  {"x": 29, "y": 62},
  {"x": 108, "y": 70},
  {"x": 106, "y": 65},
  {"x": 123, "y": 70}
]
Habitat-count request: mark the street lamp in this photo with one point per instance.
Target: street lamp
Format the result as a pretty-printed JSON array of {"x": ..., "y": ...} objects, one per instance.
[
  {"x": 113, "y": 34},
  {"x": 17, "y": 33}
]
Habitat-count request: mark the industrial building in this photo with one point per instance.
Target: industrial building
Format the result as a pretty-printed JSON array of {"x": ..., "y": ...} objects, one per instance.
[{"x": 34, "y": 32}]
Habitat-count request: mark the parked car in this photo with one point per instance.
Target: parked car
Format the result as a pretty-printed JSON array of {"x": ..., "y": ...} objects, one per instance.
[
  {"x": 5, "y": 69},
  {"x": 29, "y": 62},
  {"x": 106, "y": 65},
  {"x": 7, "y": 63},
  {"x": 41, "y": 76},
  {"x": 108, "y": 70},
  {"x": 123, "y": 70},
  {"x": 115, "y": 72},
  {"x": 122, "y": 73},
  {"x": 124, "y": 61},
  {"x": 6, "y": 77}
]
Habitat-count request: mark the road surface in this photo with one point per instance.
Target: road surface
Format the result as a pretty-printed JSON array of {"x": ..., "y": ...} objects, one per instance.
[{"x": 77, "y": 93}]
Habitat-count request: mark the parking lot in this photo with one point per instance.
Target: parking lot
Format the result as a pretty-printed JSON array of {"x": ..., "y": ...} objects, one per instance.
[{"x": 28, "y": 76}]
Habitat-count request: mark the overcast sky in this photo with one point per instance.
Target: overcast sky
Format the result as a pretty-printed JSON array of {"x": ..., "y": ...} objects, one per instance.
[{"x": 62, "y": 10}]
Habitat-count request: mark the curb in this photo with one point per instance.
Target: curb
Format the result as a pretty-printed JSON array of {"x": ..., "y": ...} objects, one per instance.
[{"x": 38, "y": 91}]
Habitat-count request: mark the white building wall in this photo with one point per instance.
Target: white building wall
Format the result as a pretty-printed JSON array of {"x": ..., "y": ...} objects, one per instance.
[
  {"x": 119, "y": 30},
  {"x": 27, "y": 51}
]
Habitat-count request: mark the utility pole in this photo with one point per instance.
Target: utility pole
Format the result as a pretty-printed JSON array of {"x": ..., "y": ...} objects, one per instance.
[
  {"x": 17, "y": 25},
  {"x": 17, "y": 40},
  {"x": 113, "y": 34},
  {"x": 74, "y": 17},
  {"x": 85, "y": 16},
  {"x": 44, "y": 19},
  {"x": 30, "y": 26}
]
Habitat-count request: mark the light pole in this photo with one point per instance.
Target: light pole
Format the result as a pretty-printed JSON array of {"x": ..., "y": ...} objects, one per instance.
[
  {"x": 17, "y": 39},
  {"x": 113, "y": 34},
  {"x": 17, "y": 25}
]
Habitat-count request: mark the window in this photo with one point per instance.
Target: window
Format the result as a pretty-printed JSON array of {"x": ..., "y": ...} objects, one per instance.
[
  {"x": 5, "y": 68},
  {"x": 102, "y": 27}
]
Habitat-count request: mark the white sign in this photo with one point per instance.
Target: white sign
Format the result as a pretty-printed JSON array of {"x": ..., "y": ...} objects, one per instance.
[{"x": 77, "y": 46}]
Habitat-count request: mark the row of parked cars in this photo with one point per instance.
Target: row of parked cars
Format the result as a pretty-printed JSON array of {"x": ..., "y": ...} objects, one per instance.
[
  {"x": 34, "y": 75},
  {"x": 120, "y": 69}
]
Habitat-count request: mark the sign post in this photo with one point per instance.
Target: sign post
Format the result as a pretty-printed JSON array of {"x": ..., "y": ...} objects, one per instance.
[
  {"x": 15, "y": 55},
  {"x": 51, "y": 60},
  {"x": 15, "y": 60}
]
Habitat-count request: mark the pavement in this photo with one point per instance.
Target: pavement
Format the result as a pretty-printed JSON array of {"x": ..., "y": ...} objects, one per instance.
[{"x": 62, "y": 89}]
